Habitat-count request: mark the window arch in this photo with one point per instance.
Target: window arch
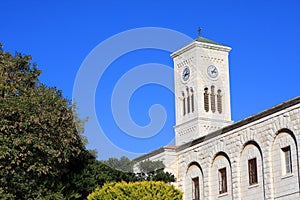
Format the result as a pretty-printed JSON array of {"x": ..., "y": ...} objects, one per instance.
[
  {"x": 213, "y": 99},
  {"x": 221, "y": 175},
  {"x": 194, "y": 182},
  {"x": 188, "y": 100},
  {"x": 252, "y": 171},
  {"x": 219, "y": 101},
  {"x": 183, "y": 104},
  {"x": 206, "y": 103},
  {"x": 285, "y": 163},
  {"x": 192, "y": 100}
]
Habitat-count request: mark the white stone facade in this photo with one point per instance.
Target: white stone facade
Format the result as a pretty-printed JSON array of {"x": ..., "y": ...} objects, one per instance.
[
  {"x": 255, "y": 158},
  {"x": 262, "y": 136},
  {"x": 192, "y": 121}
]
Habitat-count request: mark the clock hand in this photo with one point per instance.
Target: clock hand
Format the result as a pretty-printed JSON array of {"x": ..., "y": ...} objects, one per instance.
[{"x": 186, "y": 73}]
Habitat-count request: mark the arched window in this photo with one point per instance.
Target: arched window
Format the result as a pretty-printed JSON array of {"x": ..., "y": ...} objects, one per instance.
[
  {"x": 183, "y": 104},
  {"x": 285, "y": 163},
  {"x": 188, "y": 100},
  {"x": 252, "y": 171},
  {"x": 213, "y": 99},
  {"x": 219, "y": 101},
  {"x": 206, "y": 103},
  {"x": 194, "y": 182},
  {"x": 192, "y": 100},
  {"x": 221, "y": 176}
]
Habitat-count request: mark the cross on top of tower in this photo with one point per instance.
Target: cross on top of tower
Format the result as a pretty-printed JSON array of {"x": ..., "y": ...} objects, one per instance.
[{"x": 199, "y": 31}]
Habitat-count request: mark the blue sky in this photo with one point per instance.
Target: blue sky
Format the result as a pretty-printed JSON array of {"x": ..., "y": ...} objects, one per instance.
[{"x": 264, "y": 61}]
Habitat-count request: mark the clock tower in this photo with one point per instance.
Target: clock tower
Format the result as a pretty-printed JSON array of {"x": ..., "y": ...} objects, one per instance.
[{"x": 202, "y": 95}]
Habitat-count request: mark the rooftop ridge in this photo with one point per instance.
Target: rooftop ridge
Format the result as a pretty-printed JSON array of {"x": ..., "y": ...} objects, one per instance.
[
  {"x": 242, "y": 122},
  {"x": 208, "y": 41},
  {"x": 226, "y": 129}
]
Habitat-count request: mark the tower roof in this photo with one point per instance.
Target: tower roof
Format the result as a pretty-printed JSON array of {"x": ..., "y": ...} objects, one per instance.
[
  {"x": 201, "y": 42},
  {"x": 205, "y": 40}
]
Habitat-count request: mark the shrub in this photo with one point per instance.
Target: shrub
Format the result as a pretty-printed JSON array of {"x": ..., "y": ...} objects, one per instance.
[{"x": 136, "y": 191}]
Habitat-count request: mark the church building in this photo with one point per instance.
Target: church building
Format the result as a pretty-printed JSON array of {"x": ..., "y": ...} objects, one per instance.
[{"x": 214, "y": 158}]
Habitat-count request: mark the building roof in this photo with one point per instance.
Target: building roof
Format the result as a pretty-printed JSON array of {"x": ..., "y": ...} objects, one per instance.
[
  {"x": 226, "y": 129},
  {"x": 154, "y": 152},
  {"x": 202, "y": 42},
  {"x": 242, "y": 122},
  {"x": 205, "y": 40}
]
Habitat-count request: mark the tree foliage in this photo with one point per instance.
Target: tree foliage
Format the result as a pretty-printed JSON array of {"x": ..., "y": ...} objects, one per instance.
[
  {"x": 42, "y": 151},
  {"x": 38, "y": 135},
  {"x": 96, "y": 174},
  {"x": 149, "y": 166},
  {"x": 154, "y": 171},
  {"x": 145, "y": 190},
  {"x": 122, "y": 164}
]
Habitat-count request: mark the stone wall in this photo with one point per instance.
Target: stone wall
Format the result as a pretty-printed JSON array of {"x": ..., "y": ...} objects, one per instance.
[{"x": 263, "y": 137}]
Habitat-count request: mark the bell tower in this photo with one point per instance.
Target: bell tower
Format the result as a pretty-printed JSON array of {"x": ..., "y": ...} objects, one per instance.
[{"x": 202, "y": 94}]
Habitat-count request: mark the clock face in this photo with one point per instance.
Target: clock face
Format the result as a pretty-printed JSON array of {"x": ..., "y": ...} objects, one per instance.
[
  {"x": 212, "y": 71},
  {"x": 186, "y": 74}
]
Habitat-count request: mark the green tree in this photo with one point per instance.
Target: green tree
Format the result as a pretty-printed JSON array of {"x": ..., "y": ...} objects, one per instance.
[
  {"x": 154, "y": 171},
  {"x": 38, "y": 135},
  {"x": 42, "y": 151},
  {"x": 161, "y": 175},
  {"x": 96, "y": 174},
  {"x": 146, "y": 190},
  {"x": 122, "y": 164},
  {"x": 149, "y": 166}
]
